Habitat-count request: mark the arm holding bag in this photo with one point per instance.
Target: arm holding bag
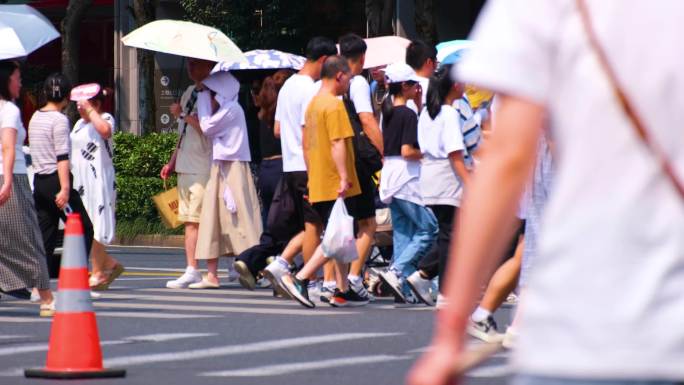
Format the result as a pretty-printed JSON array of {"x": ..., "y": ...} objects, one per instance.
[{"x": 339, "y": 241}]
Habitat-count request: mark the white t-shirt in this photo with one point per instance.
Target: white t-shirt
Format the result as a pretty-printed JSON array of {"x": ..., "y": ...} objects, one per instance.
[
  {"x": 359, "y": 94},
  {"x": 437, "y": 139},
  {"x": 294, "y": 93},
  {"x": 605, "y": 298},
  {"x": 10, "y": 117},
  {"x": 424, "y": 84}
]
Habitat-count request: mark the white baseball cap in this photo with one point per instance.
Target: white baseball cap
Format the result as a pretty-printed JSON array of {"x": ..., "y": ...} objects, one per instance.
[{"x": 400, "y": 72}]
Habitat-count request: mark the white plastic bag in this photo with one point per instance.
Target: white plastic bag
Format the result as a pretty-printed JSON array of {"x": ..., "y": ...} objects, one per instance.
[{"x": 339, "y": 241}]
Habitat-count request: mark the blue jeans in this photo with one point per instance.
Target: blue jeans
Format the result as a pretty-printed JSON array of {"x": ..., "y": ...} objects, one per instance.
[
  {"x": 415, "y": 231},
  {"x": 524, "y": 379}
]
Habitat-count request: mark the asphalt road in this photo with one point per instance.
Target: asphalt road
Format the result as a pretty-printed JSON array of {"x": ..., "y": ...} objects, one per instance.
[{"x": 231, "y": 335}]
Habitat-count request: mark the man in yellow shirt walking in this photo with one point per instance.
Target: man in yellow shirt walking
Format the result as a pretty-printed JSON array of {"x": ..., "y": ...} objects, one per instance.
[{"x": 329, "y": 156}]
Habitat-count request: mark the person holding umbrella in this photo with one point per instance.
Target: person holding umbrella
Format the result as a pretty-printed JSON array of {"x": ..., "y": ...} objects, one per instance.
[
  {"x": 230, "y": 221},
  {"x": 191, "y": 160}
]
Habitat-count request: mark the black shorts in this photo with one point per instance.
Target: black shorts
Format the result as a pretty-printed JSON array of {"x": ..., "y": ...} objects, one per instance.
[
  {"x": 362, "y": 206},
  {"x": 324, "y": 209},
  {"x": 297, "y": 182}
]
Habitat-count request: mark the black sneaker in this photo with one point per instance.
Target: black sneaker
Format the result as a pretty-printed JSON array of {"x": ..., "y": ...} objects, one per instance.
[
  {"x": 298, "y": 289},
  {"x": 246, "y": 278},
  {"x": 348, "y": 298},
  {"x": 361, "y": 291}
]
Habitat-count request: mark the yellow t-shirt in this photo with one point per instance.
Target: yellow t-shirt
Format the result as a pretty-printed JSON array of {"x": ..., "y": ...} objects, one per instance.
[{"x": 326, "y": 120}]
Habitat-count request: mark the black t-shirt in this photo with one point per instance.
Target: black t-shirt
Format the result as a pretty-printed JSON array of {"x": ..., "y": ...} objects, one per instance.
[
  {"x": 270, "y": 145},
  {"x": 400, "y": 129}
]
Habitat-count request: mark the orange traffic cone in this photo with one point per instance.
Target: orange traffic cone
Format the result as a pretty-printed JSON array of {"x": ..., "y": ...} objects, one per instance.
[{"x": 74, "y": 350}]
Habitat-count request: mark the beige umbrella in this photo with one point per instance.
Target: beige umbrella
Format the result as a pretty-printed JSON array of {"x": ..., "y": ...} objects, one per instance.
[{"x": 184, "y": 38}]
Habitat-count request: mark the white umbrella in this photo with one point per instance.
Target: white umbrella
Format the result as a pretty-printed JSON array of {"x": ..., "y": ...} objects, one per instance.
[
  {"x": 23, "y": 30},
  {"x": 184, "y": 38}
]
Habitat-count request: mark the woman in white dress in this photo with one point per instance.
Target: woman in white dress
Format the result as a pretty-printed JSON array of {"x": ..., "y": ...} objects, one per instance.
[{"x": 93, "y": 170}]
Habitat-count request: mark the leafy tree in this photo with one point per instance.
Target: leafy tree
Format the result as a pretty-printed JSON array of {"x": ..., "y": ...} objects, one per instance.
[{"x": 252, "y": 24}]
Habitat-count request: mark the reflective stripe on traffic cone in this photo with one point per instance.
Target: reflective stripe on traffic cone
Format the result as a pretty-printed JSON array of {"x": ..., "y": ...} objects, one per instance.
[{"x": 74, "y": 350}]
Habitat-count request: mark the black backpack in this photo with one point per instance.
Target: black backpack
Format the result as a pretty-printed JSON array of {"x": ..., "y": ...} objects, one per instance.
[{"x": 367, "y": 156}]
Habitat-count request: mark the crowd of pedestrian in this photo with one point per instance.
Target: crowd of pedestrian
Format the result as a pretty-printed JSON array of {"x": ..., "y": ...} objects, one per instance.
[
  {"x": 73, "y": 172},
  {"x": 408, "y": 144}
]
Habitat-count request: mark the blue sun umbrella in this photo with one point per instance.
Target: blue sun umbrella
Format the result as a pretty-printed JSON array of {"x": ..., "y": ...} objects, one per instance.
[
  {"x": 452, "y": 51},
  {"x": 264, "y": 59}
]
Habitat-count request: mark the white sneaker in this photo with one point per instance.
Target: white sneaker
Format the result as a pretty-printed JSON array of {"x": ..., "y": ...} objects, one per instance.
[
  {"x": 189, "y": 277},
  {"x": 275, "y": 272},
  {"x": 421, "y": 288},
  {"x": 315, "y": 288},
  {"x": 512, "y": 299},
  {"x": 484, "y": 330},
  {"x": 510, "y": 338},
  {"x": 394, "y": 282}
]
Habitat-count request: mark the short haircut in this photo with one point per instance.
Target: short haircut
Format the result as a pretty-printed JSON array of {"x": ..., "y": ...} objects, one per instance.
[
  {"x": 333, "y": 65},
  {"x": 7, "y": 68},
  {"x": 56, "y": 88},
  {"x": 352, "y": 46},
  {"x": 319, "y": 47},
  {"x": 417, "y": 53}
]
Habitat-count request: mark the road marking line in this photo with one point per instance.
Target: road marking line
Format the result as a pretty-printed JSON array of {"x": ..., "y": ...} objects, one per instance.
[
  {"x": 163, "y": 337},
  {"x": 151, "y": 315},
  {"x": 254, "y": 347},
  {"x": 129, "y": 268},
  {"x": 44, "y": 347},
  {"x": 296, "y": 310},
  {"x": 23, "y": 319},
  {"x": 14, "y": 337},
  {"x": 490, "y": 371},
  {"x": 223, "y": 291},
  {"x": 143, "y": 247},
  {"x": 181, "y": 298},
  {"x": 298, "y": 367},
  {"x": 150, "y": 274}
]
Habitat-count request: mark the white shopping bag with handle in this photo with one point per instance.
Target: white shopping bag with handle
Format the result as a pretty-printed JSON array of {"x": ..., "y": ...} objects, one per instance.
[{"x": 339, "y": 241}]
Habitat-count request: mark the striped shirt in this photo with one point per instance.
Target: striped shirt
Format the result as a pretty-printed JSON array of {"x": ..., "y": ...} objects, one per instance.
[
  {"x": 470, "y": 128},
  {"x": 49, "y": 140}
]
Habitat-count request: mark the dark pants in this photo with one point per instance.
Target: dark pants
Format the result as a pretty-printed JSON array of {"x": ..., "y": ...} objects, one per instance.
[
  {"x": 435, "y": 261},
  {"x": 45, "y": 188},
  {"x": 255, "y": 257},
  {"x": 270, "y": 172}
]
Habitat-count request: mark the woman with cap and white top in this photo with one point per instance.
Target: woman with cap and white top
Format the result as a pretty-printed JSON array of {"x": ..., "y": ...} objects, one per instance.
[
  {"x": 230, "y": 221},
  {"x": 22, "y": 257},
  {"x": 414, "y": 225},
  {"x": 93, "y": 169}
]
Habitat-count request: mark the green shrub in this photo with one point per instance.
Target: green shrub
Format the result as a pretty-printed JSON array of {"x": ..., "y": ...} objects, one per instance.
[
  {"x": 142, "y": 155},
  {"x": 138, "y": 161}
]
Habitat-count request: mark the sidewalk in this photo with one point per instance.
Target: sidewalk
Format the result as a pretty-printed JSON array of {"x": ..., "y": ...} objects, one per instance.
[{"x": 150, "y": 240}]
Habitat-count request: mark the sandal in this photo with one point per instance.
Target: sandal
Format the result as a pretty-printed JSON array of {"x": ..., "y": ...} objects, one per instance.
[
  {"x": 47, "y": 309},
  {"x": 106, "y": 279}
]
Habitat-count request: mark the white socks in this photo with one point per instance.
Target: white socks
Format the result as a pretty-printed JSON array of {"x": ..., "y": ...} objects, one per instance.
[
  {"x": 354, "y": 280},
  {"x": 282, "y": 262},
  {"x": 480, "y": 314}
]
